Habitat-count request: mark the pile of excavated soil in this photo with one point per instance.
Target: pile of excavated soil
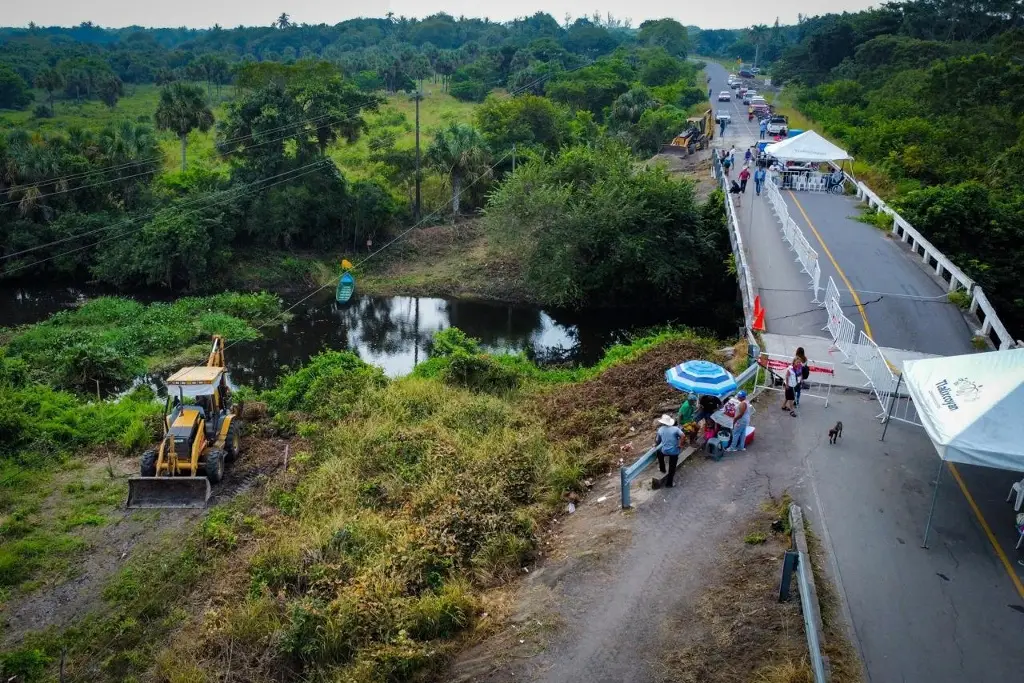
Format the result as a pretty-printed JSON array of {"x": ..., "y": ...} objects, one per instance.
[{"x": 593, "y": 410}]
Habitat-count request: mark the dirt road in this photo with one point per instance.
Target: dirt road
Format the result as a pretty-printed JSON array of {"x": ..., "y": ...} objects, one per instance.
[{"x": 626, "y": 576}]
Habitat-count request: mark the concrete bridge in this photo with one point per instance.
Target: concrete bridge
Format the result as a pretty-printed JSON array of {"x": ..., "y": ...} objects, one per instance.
[{"x": 890, "y": 299}]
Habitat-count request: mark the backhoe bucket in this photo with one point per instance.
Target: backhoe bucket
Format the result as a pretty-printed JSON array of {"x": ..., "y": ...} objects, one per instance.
[{"x": 168, "y": 492}]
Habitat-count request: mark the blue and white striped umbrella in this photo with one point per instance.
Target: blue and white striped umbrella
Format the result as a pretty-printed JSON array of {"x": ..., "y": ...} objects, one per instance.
[{"x": 701, "y": 377}]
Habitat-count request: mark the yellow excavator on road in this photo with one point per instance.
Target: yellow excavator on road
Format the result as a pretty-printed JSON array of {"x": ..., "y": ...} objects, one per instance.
[{"x": 201, "y": 435}]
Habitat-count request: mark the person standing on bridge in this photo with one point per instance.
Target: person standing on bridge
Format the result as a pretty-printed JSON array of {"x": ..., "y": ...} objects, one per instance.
[
  {"x": 764, "y": 127},
  {"x": 668, "y": 442},
  {"x": 744, "y": 177},
  {"x": 792, "y": 378},
  {"x": 732, "y": 155},
  {"x": 759, "y": 176}
]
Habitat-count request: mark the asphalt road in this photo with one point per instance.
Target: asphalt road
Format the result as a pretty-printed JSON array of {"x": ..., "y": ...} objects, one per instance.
[
  {"x": 905, "y": 306},
  {"x": 945, "y": 614},
  {"x": 740, "y": 132}
]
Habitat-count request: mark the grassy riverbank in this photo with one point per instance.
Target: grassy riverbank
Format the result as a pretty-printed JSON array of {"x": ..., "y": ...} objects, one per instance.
[
  {"x": 406, "y": 505},
  {"x": 451, "y": 260}
]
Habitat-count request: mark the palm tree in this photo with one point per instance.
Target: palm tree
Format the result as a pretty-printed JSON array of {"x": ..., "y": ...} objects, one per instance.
[
  {"x": 758, "y": 35},
  {"x": 460, "y": 152},
  {"x": 51, "y": 81},
  {"x": 283, "y": 21},
  {"x": 631, "y": 105},
  {"x": 183, "y": 109}
]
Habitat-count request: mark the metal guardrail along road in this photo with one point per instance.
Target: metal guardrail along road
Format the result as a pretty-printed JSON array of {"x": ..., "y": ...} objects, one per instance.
[{"x": 628, "y": 473}]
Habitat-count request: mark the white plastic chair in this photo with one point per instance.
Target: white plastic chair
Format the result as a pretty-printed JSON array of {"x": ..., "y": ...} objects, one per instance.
[{"x": 1018, "y": 488}]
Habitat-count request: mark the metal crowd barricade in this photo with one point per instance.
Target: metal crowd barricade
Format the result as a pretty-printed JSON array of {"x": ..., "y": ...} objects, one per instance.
[
  {"x": 805, "y": 253},
  {"x": 880, "y": 377},
  {"x": 771, "y": 370},
  {"x": 831, "y": 292},
  {"x": 842, "y": 330}
]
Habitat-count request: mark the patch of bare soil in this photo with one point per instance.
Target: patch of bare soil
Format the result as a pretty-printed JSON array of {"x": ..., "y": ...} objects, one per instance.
[
  {"x": 618, "y": 405},
  {"x": 450, "y": 260},
  {"x": 696, "y": 167},
  {"x": 737, "y": 630},
  {"x": 126, "y": 532}
]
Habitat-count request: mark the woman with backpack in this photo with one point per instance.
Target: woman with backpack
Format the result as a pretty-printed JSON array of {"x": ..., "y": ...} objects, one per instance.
[
  {"x": 792, "y": 380},
  {"x": 805, "y": 372}
]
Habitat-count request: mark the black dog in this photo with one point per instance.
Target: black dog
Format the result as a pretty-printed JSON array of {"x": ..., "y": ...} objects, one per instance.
[{"x": 835, "y": 432}]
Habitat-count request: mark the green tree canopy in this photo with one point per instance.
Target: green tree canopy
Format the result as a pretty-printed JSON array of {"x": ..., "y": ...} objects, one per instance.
[
  {"x": 14, "y": 92},
  {"x": 460, "y": 152},
  {"x": 665, "y": 33},
  {"x": 183, "y": 109},
  {"x": 593, "y": 229}
]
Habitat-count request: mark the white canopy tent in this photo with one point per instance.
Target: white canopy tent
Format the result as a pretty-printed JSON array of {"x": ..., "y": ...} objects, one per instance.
[
  {"x": 807, "y": 146},
  {"x": 971, "y": 407}
]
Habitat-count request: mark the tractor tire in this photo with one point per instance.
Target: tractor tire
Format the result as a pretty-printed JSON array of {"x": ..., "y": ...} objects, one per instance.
[
  {"x": 148, "y": 464},
  {"x": 233, "y": 442},
  {"x": 214, "y": 465}
]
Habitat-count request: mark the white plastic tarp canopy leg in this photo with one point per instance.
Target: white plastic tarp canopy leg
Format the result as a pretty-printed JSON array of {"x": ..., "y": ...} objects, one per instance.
[{"x": 970, "y": 407}]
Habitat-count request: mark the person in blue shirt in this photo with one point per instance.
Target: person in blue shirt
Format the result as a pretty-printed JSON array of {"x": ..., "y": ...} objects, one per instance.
[
  {"x": 764, "y": 128},
  {"x": 669, "y": 444},
  {"x": 759, "y": 176}
]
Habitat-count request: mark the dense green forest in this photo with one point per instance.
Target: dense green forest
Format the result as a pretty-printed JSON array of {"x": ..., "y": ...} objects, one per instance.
[
  {"x": 929, "y": 95},
  {"x": 176, "y": 149}
]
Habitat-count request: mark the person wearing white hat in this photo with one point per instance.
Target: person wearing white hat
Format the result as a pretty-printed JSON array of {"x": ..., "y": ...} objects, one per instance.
[{"x": 668, "y": 443}]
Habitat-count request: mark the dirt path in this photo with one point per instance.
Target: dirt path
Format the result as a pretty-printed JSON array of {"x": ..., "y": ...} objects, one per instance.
[{"x": 617, "y": 590}]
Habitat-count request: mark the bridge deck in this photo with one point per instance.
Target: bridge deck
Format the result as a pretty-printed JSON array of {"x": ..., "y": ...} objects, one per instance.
[{"x": 904, "y": 306}]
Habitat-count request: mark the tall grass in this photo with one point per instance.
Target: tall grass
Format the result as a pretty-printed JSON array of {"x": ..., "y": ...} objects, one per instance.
[{"x": 112, "y": 339}]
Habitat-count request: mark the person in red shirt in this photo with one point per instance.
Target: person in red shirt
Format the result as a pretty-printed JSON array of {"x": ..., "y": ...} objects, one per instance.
[{"x": 744, "y": 177}]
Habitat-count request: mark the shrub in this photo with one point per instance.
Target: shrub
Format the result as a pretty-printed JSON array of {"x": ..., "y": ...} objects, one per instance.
[
  {"x": 327, "y": 386},
  {"x": 960, "y": 298},
  {"x": 41, "y": 111},
  {"x": 447, "y": 342},
  {"x": 480, "y": 373}
]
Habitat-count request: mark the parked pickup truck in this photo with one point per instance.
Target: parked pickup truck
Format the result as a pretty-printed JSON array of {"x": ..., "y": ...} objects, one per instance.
[{"x": 778, "y": 125}]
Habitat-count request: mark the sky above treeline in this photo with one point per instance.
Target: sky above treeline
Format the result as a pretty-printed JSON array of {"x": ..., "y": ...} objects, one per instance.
[{"x": 230, "y": 13}]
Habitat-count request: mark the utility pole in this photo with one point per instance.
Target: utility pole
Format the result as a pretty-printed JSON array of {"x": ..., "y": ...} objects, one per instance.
[{"x": 416, "y": 210}]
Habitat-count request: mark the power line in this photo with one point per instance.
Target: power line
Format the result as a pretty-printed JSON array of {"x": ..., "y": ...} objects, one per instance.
[
  {"x": 151, "y": 214},
  {"x": 381, "y": 249},
  {"x": 219, "y": 201}
]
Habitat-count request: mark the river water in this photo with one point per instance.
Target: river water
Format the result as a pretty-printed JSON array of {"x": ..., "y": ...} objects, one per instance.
[{"x": 394, "y": 332}]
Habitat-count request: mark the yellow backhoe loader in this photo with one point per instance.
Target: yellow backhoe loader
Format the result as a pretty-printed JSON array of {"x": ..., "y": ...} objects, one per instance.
[
  {"x": 698, "y": 134},
  {"x": 200, "y": 436}
]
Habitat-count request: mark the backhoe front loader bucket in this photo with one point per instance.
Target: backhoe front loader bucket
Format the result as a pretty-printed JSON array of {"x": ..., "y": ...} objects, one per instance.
[{"x": 168, "y": 492}]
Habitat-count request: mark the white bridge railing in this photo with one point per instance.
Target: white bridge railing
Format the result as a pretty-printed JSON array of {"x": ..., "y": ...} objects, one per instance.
[
  {"x": 954, "y": 277},
  {"x": 743, "y": 274}
]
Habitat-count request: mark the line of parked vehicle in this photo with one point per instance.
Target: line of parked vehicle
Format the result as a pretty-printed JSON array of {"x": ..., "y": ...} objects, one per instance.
[{"x": 757, "y": 107}]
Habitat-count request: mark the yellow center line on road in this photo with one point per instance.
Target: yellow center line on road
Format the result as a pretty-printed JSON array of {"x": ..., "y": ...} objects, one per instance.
[
  {"x": 1003, "y": 559},
  {"x": 842, "y": 275},
  {"x": 988, "y": 531}
]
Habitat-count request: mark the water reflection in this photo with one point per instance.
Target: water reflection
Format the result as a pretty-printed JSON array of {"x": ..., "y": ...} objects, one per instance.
[{"x": 394, "y": 332}]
